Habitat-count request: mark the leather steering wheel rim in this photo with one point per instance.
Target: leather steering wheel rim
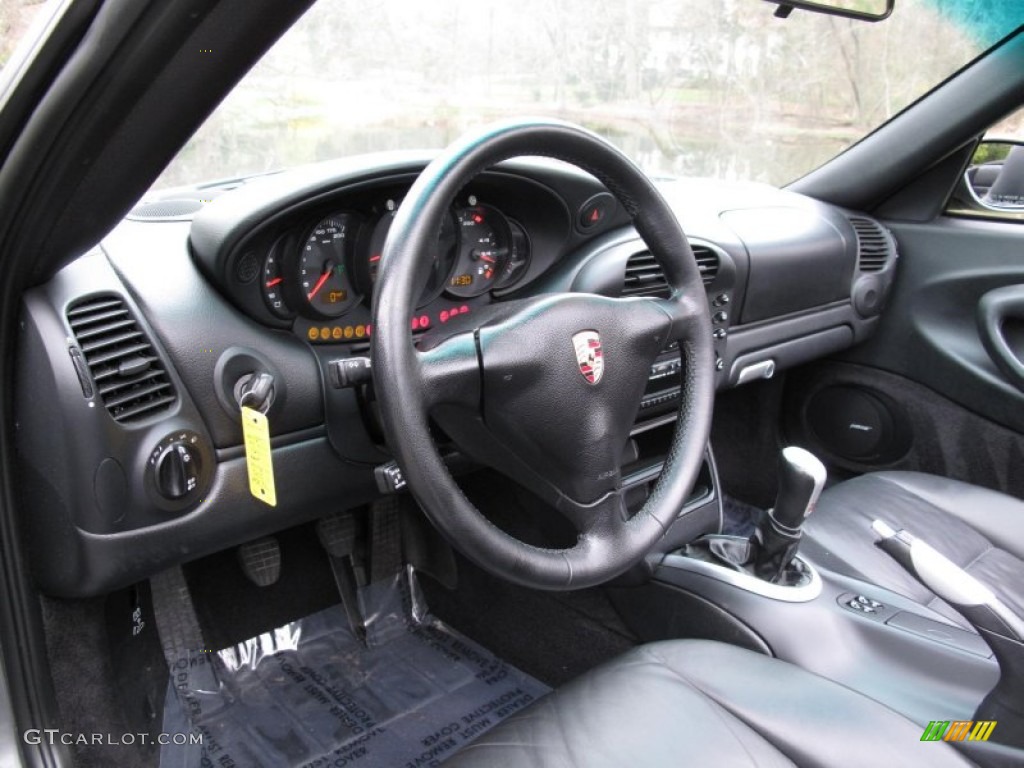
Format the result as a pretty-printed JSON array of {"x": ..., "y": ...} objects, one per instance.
[{"x": 410, "y": 384}]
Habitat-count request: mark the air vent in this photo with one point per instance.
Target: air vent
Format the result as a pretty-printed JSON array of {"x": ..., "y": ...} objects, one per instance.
[
  {"x": 707, "y": 263},
  {"x": 644, "y": 276},
  {"x": 129, "y": 376},
  {"x": 873, "y": 246}
]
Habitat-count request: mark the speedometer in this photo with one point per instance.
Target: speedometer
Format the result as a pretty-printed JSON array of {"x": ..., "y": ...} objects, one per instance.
[{"x": 324, "y": 278}]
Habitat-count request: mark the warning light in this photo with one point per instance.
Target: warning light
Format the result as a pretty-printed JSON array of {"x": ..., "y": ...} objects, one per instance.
[
  {"x": 349, "y": 331},
  {"x": 336, "y": 333},
  {"x": 478, "y": 219},
  {"x": 444, "y": 315},
  {"x": 415, "y": 323},
  {"x": 463, "y": 309},
  {"x": 313, "y": 334},
  {"x": 360, "y": 331},
  {"x": 595, "y": 215},
  {"x": 369, "y": 329},
  {"x": 325, "y": 333},
  {"x": 424, "y": 321}
]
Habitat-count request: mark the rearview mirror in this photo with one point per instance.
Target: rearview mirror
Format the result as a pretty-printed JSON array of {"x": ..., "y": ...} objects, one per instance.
[
  {"x": 995, "y": 176},
  {"x": 864, "y": 10}
]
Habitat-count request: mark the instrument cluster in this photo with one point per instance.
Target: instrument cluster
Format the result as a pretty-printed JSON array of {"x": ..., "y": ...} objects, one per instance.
[{"x": 322, "y": 275}]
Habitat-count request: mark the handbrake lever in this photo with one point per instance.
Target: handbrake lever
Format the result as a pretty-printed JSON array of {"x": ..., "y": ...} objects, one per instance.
[
  {"x": 972, "y": 599},
  {"x": 995, "y": 621}
]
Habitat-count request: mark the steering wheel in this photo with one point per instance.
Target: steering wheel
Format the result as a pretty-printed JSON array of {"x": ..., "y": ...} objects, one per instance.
[{"x": 544, "y": 389}]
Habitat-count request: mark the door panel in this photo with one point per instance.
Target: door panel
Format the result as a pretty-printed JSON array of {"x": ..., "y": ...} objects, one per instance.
[
  {"x": 940, "y": 387},
  {"x": 930, "y": 332},
  {"x": 1001, "y": 324}
]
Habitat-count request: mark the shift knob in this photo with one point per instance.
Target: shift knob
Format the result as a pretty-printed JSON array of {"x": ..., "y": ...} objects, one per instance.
[{"x": 801, "y": 478}]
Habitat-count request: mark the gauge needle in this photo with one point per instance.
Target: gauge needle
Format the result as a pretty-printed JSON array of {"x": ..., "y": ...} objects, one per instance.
[
  {"x": 485, "y": 257},
  {"x": 319, "y": 283},
  {"x": 275, "y": 281}
]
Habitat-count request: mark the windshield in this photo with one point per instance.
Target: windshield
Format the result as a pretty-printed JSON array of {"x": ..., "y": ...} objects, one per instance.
[
  {"x": 684, "y": 87},
  {"x": 22, "y": 27}
]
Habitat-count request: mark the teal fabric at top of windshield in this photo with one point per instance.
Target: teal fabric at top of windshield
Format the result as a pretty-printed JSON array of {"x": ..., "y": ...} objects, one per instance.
[{"x": 987, "y": 21}]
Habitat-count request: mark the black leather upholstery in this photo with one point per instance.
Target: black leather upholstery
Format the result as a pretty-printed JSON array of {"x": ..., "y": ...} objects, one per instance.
[
  {"x": 980, "y": 530},
  {"x": 701, "y": 703}
]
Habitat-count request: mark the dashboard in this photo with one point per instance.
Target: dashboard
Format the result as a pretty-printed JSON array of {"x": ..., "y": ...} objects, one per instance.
[{"x": 133, "y": 358}]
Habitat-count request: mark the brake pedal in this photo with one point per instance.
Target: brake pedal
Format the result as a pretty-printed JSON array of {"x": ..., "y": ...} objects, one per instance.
[
  {"x": 337, "y": 535},
  {"x": 261, "y": 561}
]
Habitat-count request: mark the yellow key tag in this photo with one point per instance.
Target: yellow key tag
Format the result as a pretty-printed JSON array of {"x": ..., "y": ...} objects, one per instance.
[{"x": 258, "y": 460}]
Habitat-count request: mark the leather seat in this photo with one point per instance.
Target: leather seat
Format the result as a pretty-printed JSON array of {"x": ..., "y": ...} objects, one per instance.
[
  {"x": 703, "y": 703},
  {"x": 980, "y": 530}
]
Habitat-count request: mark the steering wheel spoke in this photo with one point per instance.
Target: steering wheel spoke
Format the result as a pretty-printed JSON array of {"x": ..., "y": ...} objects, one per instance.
[
  {"x": 686, "y": 313},
  {"x": 598, "y": 518},
  {"x": 450, "y": 372}
]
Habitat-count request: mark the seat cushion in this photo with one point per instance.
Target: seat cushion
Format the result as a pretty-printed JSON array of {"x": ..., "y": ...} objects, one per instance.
[
  {"x": 980, "y": 530},
  {"x": 697, "y": 702}
]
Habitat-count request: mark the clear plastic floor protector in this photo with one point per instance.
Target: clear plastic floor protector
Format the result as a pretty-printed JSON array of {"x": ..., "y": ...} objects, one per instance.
[{"x": 311, "y": 694}]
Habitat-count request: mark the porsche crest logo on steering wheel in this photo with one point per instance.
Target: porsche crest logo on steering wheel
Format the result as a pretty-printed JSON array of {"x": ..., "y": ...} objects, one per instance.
[{"x": 589, "y": 355}]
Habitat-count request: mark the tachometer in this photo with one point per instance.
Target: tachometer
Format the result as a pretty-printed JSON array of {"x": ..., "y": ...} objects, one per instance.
[
  {"x": 324, "y": 279},
  {"x": 442, "y": 258}
]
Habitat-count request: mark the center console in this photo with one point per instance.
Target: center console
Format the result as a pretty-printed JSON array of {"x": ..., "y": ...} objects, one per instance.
[{"x": 868, "y": 638}]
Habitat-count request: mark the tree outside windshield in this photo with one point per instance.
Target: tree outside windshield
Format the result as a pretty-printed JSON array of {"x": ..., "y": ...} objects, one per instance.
[{"x": 685, "y": 87}]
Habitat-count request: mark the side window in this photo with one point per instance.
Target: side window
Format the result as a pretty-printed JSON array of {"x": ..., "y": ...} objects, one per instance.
[{"x": 993, "y": 184}]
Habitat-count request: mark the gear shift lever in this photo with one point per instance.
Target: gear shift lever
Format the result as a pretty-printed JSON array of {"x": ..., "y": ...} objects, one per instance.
[{"x": 801, "y": 478}]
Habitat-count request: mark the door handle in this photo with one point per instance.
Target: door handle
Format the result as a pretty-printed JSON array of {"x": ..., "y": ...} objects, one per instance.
[{"x": 994, "y": 309}]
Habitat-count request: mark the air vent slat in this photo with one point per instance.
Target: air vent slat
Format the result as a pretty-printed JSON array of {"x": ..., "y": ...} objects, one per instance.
[
  {"x": 93, "y": 307},
  {"x": 101, "y": 330},
  {"x": 101, "y": 374},
  {"x": 85, "y": 321},
  {"x": 644, "y": 276},
  {"x": 149, "y": 407},
  {"x": 873, "y": 247},
  {"x": 136, "y": 393},
  {"x": 131, "y": 380},
  {"x": 116, "y": 354},
  {"x": 119, "y": 384},
  {"x": 112, "y": 340}
]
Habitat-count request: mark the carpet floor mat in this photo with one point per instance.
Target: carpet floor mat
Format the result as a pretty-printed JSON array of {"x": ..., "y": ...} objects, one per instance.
[{"x": 311, "y": 693}]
